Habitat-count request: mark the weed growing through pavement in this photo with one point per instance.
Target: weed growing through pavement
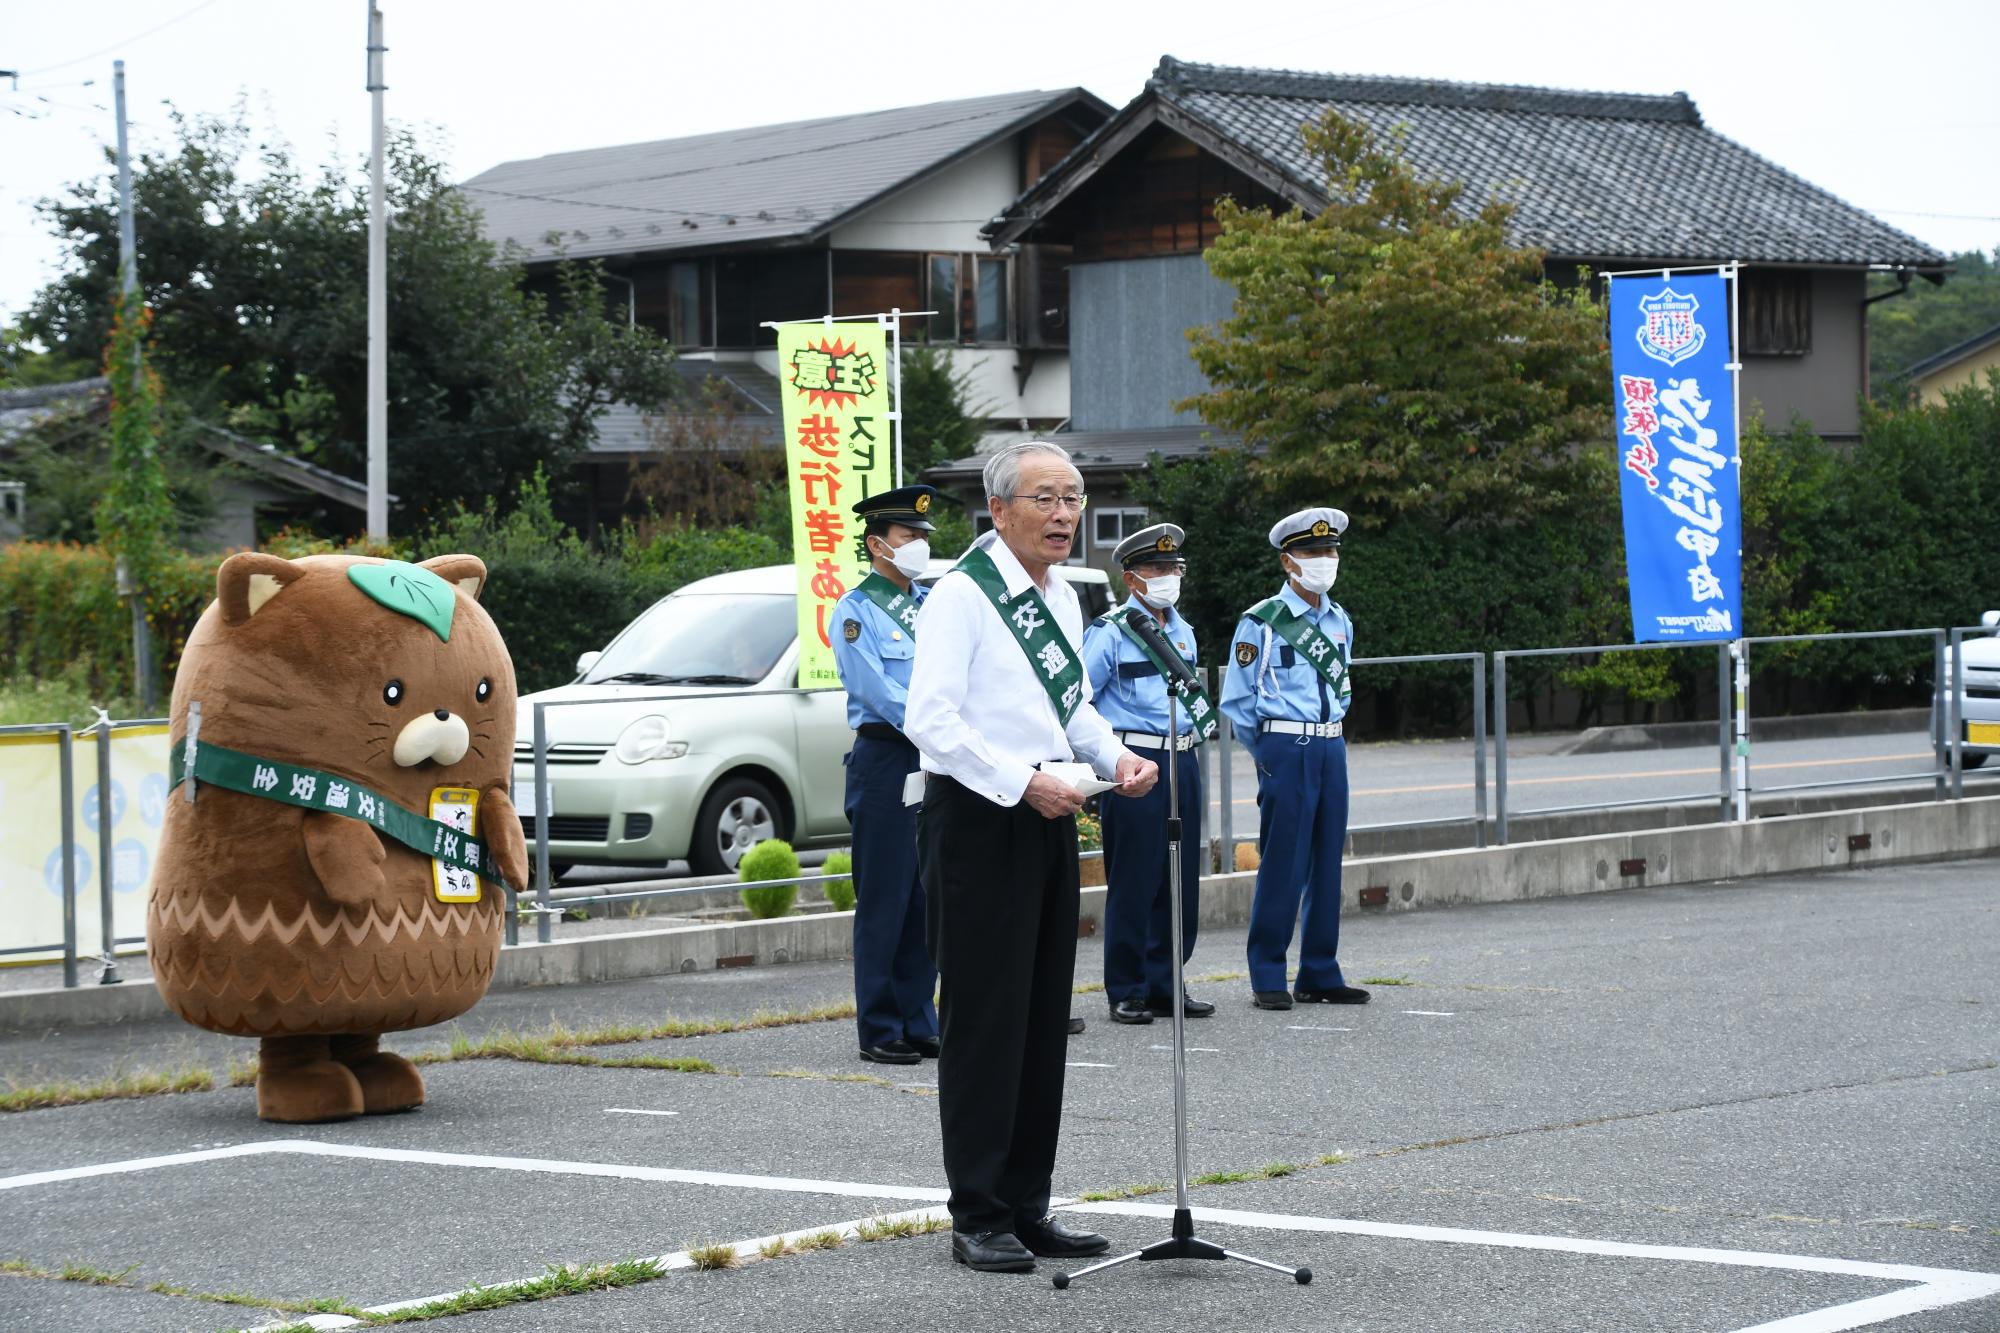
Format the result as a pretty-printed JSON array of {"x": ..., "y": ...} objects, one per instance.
[
  {"x": 829, "y": 1239},
  {"x": 776, "y": 1248},
  {"x": 711, "y": 1258},
  {"x": 1387, "y": 981},
  {"x": 1120, "y": 1192},
  {"x": 37, "y": 1096}
]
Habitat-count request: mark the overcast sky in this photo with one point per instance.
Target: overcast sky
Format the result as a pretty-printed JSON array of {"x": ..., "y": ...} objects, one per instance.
[{"x": 1889, "y": 106}]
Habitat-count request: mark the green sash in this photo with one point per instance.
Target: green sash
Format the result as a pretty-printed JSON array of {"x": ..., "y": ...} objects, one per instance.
[
  {"x": 1326, "y": 656},
  {"x": 1200, "y": 711},
  {"x": 1035, "y": 631},
  {"x": 900, "y": 606},
  {"x": 310, "y": 789}
]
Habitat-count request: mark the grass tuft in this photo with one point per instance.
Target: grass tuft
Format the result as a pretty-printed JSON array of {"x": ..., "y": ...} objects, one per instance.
[
  {"x": 1332, "y": 1159},
  {"x": 776, "y": 1248},
  {"x": 820, "y": 1240},
  {"x": 39, "y": 1096},
  {"x": 1120, "y": 1192},
  {"x": 886, "y": 1228},
  {"x": 713, "y": 1258},
  {"x": 1387, "y": 981}
]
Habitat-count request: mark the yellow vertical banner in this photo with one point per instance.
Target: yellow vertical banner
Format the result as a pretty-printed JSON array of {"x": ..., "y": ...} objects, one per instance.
[
  {"x": 31, "y": 863},
  {"x": 838, "y": 450}
]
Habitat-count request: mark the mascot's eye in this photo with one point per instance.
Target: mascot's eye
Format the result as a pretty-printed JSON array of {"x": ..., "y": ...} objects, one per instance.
[
  {"x": 392, "y": 693},
  {"x": 484, "y": 692}
]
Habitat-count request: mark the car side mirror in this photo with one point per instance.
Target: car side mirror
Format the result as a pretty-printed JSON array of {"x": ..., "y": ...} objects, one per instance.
[
  {"x": 1991, "y": 620},
  {"x": 586, "y": 661}
]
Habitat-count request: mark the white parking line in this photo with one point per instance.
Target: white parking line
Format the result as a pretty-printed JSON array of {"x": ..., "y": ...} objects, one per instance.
[
  {"x": 1935, "y": 1288},
  {"x": 635, "y": 1110},
  {"x": 1308, "y": 1027},
  {"x": 1432, "y": 1013},
  {"x": 1205, "y": 1050},
  {"x": 1086, "y": 1064}
]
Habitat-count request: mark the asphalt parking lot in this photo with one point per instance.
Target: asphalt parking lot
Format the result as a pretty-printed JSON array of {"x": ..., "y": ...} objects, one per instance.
[{"x": 1770, "y": 1104}]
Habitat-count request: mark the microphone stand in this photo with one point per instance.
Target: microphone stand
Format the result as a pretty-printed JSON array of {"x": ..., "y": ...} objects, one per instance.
[{"x": 1182, "y": 1243}]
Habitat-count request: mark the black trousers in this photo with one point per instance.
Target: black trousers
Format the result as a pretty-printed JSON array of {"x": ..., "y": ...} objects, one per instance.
[{"x": 1000, "y": 882}]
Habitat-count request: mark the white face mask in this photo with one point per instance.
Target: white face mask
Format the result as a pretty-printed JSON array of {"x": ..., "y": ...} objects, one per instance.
[
  {"x": 911, "y": 558},
  {"x": 1162, "y": 591},
  {"x": 1317, "y": 573}
]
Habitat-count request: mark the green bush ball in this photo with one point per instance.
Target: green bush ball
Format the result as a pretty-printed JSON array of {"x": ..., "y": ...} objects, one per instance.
[
  {"x": 839, "y": 892},
  {"x": 772, "y": 858}
]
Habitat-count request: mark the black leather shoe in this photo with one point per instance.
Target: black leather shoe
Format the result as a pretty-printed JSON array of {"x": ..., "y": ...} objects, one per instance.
[
  {"x": 991, "y": 1252},
  {"x": 1337, "y": 995},
  {"x": 1052, "y": 1240},
  {"x": 1271, "y": 999},
  {"x": 1075, "y": 1026},
  {"x": 1191, "y": 1007},
  {"x": 1130, "y": 1011},
  {"x": 927, "y": 1047},
  {"x": 891, "y": 1053}
]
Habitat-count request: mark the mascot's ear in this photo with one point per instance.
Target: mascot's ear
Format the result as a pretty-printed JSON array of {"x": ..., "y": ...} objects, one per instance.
[
  {"x": 468, "y": 572},
  {"x": 249, "y": 579}
]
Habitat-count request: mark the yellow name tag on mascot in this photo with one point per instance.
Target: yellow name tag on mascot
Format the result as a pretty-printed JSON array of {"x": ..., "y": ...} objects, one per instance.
[{"x": 343, "y": 735}]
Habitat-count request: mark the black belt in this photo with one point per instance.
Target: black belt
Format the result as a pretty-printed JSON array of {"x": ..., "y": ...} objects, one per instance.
[{"x": 881, "y": 731}]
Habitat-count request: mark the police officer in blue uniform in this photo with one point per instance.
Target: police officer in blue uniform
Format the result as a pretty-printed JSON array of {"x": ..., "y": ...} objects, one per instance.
[
  {"x": 1285, "y": 699},
  {"x": 874, "y": 647},
  {"x": 1130, "y": 693}
]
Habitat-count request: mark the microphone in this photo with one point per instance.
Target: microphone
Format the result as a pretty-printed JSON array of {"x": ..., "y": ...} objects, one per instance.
[{"x": 1182, "y": 679}]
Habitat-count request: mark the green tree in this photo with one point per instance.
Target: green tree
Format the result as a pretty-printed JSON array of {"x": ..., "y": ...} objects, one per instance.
[
  {"x": 939, "y": 421},
  {"x": 257, "y": 278},
  {"x": 1400, "y": 353},
  {"x": 1928, "y": 318}
]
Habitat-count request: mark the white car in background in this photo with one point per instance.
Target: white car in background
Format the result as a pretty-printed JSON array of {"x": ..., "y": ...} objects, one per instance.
[
  {"x": 673, "y": 743},
  {"x": 1979, "y": 706}
]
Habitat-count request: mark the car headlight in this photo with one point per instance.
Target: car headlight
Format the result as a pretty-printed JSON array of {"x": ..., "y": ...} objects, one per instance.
[{"x": 647, "y": 739}]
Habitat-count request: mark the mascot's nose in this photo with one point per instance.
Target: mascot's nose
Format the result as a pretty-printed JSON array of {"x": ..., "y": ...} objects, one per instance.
[{"x": 440, "y": 715}]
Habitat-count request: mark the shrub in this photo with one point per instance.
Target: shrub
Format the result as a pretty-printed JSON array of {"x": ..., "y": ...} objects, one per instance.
[
  {"x": 772, "y": 858},
  {"x": 1089, "y": 832},
  {"x": 25, "y": 700},
  {"x": 839, "y": 892}
]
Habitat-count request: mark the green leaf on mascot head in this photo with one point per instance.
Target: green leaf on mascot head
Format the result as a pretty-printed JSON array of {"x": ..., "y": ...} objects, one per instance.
[{"x": 408, "y": 590}]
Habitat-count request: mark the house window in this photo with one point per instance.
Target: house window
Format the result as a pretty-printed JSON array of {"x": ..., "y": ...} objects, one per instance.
[
  {"x": 989, "y": 300},
  {"x": 942, "y": 296},
  {"x": 685, "y": 306},
  {"x": 1776, "y": 312},
  {"x": 982, "y": 523},
  {"x": 1108, "y": 527}
]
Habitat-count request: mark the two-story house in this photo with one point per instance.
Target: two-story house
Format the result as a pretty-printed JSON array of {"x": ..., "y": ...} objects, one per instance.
[
  {"x": 707, "y": 237},
  {"x": 1611, "y": 181}
]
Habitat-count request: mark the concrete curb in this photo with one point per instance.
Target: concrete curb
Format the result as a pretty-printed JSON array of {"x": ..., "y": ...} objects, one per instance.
[
  {"x": 1805, "y": 727},
  {"x": 1876, "y": 835}
]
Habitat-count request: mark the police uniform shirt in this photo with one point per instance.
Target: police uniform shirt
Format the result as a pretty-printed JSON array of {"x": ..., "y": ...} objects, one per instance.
[
  {"x": 1128, "y": 690},
  {"x": 874, "y": 655},
  {"x": 976, "y": 705},
  {"x": 1268, "y": 678}
]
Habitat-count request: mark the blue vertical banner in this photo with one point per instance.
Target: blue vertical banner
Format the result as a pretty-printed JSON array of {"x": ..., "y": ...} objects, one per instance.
[{"x": 1679, "y": 466}]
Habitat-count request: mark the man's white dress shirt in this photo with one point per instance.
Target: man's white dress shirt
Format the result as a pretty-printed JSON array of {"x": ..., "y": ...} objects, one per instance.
[{"x": 977, "y": 707}]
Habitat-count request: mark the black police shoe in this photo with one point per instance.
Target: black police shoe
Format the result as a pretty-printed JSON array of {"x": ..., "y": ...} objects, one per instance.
[
  {"x": 1130, "y": 1011},
  {"x": 891, "y": 1053},
  {"x": 1337, "y": 995},
  {"x": 1075, "y": 1026},
  {"x": 1193, "y": 1008},
  {"x": 1271, "y": 999},
  {"x": 991, "y": 1252},
  {"x": 928, "y": 1047},
  {"x": 1052, "y": 1240}
]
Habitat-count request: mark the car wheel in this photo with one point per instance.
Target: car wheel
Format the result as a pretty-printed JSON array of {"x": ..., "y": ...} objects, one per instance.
[
  {"x": 1971, "y": 760},
  {"x": 737, "y": 815}
]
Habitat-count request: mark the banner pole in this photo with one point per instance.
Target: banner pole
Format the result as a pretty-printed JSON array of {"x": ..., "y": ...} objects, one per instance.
[
  {"x": 896, "y": 385},
  {"x": 1742, "y": 650}
]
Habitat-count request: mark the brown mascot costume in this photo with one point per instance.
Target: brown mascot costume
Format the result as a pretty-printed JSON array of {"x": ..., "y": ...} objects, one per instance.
[{"x": 343, "y": 732}]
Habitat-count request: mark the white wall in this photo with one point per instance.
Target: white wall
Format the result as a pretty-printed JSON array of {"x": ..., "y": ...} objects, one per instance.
[
  {"x": 992, "y": 392},
  {"x": 943, "y": 212}
]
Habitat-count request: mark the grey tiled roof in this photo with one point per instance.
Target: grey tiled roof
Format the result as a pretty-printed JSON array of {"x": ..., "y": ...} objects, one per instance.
[
  {"x": 624, "y": 429},
  {"x": 770, "y": 183},
  {"x": 1952, "y": 355},
  {"x": 1591, "y": 175}
]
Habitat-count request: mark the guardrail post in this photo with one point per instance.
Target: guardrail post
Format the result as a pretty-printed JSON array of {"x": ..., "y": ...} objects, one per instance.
[
  {"x": 1741, "y": 652},
  {"x": 1500, "y": 748},
  {"x": 1938, "y": 709},
  {"x": 1225, "y": 767},
  {"x": 1724, "y": 724},
  {"x": 1205, "y": 760},
  {"x": 109, "y": 976},
  {"x": 1957, "y": 708},
  {"x": 66, "y": 762},
  {"x": 542, "y": 927},
  {"x": 1479, "y": 749}
]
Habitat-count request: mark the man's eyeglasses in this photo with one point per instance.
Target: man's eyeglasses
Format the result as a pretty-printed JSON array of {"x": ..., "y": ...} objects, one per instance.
[{"x": 1047, "y": 503}]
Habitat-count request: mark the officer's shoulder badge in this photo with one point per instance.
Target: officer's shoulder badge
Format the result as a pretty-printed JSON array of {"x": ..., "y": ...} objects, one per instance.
[
  {"x": 1246, "y": 653},
  {"x": 852, "y": 631}
]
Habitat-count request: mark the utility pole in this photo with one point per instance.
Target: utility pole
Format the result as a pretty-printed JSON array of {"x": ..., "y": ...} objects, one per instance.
[
  {"x": 128, "y": 279},
  {"x": 378, "y": 298}
]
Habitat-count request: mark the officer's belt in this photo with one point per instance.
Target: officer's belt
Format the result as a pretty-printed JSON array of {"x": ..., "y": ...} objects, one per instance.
[
  {"x": 882, "y": 731},
  {"x": 1323, "y": 730},
  {"x": 1187, "y": 740}
]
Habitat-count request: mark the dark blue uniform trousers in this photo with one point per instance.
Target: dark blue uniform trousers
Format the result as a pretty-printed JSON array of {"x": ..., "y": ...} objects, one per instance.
[
  {"x": 1003, "y": 889},
  {"x": 893, "y": 975},
  {"x": 1138, "y": 903},
  {"x": 1302, "y": 823}
]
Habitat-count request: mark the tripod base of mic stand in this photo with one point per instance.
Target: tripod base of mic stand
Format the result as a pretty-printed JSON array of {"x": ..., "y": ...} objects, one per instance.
[{"x": 1183, "y": 1244}]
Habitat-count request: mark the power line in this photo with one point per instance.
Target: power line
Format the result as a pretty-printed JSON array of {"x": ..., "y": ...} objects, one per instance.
[{"x": 128, "y": 41}]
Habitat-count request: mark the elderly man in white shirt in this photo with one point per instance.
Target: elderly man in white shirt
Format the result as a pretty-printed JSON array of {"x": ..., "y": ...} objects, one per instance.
[{"x": 998, "y": 690}]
